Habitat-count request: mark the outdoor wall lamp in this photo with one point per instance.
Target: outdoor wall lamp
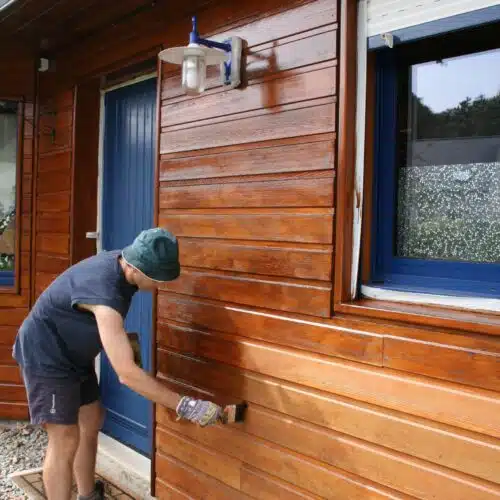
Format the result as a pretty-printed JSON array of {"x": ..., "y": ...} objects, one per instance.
[{"x": 201, "y": 53}]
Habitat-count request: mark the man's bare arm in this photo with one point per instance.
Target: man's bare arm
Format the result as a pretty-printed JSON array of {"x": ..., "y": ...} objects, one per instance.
[{"x": 119, "y": 351}]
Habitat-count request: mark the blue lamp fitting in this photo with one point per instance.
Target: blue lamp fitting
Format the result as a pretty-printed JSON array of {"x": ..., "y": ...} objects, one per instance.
[{"x": 194, "y": 37}]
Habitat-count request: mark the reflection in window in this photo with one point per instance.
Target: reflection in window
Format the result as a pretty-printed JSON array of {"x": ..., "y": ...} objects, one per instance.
[
  {"x": 449, "y": 162},
  {"x": 8, "y": 172}
]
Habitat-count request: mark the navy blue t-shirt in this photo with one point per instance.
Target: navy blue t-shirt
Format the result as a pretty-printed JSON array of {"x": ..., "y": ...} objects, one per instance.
[{"x": 58, "y": 340}]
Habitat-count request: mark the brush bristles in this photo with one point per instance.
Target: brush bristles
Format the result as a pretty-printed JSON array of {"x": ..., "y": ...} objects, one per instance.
[{"x": 234, "y": 413}]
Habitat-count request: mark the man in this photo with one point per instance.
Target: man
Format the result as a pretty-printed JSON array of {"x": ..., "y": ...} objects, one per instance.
[{"x": 80, "y": 313}]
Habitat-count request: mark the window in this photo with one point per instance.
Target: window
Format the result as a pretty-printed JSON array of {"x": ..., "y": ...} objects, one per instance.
[
  {"x": 436, "y": 206},
  {"x": 8, "y": 188}
]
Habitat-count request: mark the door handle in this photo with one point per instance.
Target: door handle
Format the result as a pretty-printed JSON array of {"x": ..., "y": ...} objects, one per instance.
[{"x": 92, "y": 235}]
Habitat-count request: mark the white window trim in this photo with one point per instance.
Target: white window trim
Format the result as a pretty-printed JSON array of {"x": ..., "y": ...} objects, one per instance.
[{"x": 468, "y": 303}]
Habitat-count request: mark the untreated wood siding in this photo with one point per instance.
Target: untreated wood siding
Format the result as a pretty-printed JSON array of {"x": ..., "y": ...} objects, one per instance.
[{"x": 339, "y": 408}]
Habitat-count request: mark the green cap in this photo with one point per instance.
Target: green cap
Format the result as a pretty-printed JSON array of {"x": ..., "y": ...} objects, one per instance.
[{"x": 155, "y": 252}]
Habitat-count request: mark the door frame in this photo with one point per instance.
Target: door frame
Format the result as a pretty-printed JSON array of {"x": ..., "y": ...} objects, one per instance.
[{"x": 139, "y": 459}]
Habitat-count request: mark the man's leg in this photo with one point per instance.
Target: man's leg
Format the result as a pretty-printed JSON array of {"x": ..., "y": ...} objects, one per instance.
[
  {"x": 58, "y": 465},
  {"x": 54, "y": 403},
  {"x": 90, "y": 421}
]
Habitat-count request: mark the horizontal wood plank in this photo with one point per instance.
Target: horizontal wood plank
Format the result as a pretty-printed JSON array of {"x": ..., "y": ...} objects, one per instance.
[
  {"x": 13, "y": 411},
  {"x": 54, "y": 181},
  {"x": 400, "y": 472},
  {"x": 6, "y": 354},
  {"x": 12, "y": 316},
  {"x": 269, "y": 58},
  {"x": 10, "y": 374},
  {"x": 312, "y": 226},
  {"x": 51, "y": 264},
  {"x": 315, "y": 119},
  {"x": 7, "y": 334},
  {"x": 457, "y": 449},
  {"x": 475, "y": 410},
  {"x": 304, "y": 334},
  {"x": 258, "y": 258},
  {"x": 224, "y": 467},
  {"x": 60, "y": 161},
  {"x": 316, "y": 191},
  {"x": 310, "y": 475},
  {"x": 265, "y": 487},
  {"x": 15, "y": 393},
  {"x": 42, "y": 281},
  {"x": 308, "y": 297},
  {"x": 462, "y": 365},
  {"x": 284, "y": 158},
  {"x": 52, "y": 243},
  {"x": 191, "y": 481},
  {"x": 53, "y": 222},
  {"x": 267, "y": 94},
  {"x": 15, "y": 300},
  {"x": 56, "y": 202},
  {"x": 169, "y": 492}
]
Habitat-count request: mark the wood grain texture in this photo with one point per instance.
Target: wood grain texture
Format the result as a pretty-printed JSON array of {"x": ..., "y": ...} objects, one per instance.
[
  {"x": 307, "y": 262},
  {"x": 199, "y": 457},
  {"x": 313, "y": 476},
  {"x": 177, "y": 474},
  {"x": 54, "y": 181},
  {"x": 56, "y": 202},
  {"x": 282, "y": 158},
  {"x": 447, "y": 403},
  {"x": 314, "y": 119},
  {"x": 267, "y": 95},
  {"x": 312, "y": 336},
  {"x": 265, "y": 487},
  {"x": 53, "y": 243},
  {"x": 468, "y": 452},
  {"x": 307, "y": 226},
  {"x": 463, "y": 365},
  {"x": 300, "y": 191},
  {"x": 53, "y": 222},
  {"x": 308, "y": 297},
  {"x": 10, "y": 374}
]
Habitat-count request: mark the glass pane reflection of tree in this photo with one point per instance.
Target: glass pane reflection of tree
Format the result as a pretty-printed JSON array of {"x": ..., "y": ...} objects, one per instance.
[{"x": 449, "y": 162}]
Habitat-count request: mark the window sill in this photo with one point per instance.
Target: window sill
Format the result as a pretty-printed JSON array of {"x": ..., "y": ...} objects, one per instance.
[
  {"x": 461, "y": 303},
  {"x": 484, "y": 323}
]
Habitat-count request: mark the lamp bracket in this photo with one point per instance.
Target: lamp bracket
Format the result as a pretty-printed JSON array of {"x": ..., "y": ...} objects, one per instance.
[{"x": 230, "y": 68}]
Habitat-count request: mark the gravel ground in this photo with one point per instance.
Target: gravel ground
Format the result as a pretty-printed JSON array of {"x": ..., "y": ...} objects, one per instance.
[{"x": 22, "y": 447}]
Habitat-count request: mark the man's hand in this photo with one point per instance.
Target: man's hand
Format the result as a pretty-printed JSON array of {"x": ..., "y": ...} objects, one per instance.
[{"x": 199, "y": 412}]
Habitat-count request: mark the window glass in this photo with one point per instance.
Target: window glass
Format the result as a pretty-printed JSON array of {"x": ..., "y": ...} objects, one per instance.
[
  {"x": 448, "y": 176},
  {"x": 8, "y": 173}
]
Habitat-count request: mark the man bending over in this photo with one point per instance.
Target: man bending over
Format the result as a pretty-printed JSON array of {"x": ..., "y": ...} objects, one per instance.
[{"x": 78, "y": 315}]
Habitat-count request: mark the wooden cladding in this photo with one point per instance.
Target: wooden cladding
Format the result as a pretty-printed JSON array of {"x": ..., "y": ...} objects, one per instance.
[
  {"x": 245, "y": 172},
  {"x": 338, "y": 408},
  {"x": 53, "y": 189}
]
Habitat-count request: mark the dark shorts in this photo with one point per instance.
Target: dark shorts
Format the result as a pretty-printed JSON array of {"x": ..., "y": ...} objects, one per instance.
[{"x": 58, "y": 400}]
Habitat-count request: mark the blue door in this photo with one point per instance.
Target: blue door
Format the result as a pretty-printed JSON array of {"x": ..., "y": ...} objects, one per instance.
[{"x": 127, "y": 208}]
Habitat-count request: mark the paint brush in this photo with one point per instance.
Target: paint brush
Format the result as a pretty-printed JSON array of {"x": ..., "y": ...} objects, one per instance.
[{"x": 234, "y": 413}]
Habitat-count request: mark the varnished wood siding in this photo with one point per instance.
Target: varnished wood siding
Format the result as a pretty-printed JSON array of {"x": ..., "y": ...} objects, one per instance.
[
  {"x": 53, "y": 187},
  {"x": 14, "y": 306},
  {"x": 339, "y": 408}
]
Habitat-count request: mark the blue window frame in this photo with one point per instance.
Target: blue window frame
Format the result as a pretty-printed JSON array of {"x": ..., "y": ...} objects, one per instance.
[{"x": 400, "y": 180}]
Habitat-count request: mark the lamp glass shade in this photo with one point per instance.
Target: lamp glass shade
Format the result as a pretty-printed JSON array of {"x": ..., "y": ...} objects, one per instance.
[{"x": 193, "y": 74}]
